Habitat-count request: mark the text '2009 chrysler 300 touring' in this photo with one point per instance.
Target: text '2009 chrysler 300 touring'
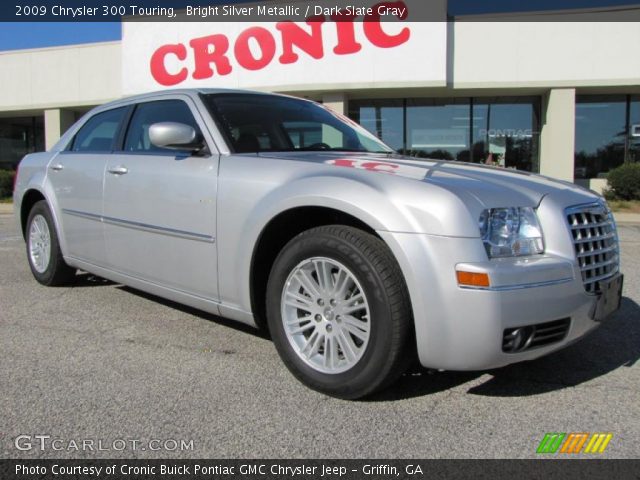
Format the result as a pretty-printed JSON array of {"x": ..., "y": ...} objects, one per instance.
[{"x": 277, "y": 212}]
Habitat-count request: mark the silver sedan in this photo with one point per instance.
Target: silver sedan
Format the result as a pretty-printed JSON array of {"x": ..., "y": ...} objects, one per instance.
[{"x": 280, "y": 213}]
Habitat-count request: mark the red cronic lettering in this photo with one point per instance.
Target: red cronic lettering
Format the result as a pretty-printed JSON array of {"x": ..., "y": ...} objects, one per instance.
[
  {"x": 256, "y": 47},
  {"x": 204, "y": 56},
  {"x": 380, "y": 167},
  {"x": 159, "y": 69},
  {"x": 341, "y": 162},
  {"x": 308, "y": 42},
  {"x": 347, "y": 43},
  {"x": 377, "y": 36},
  {"x": 265, "y": 41}
]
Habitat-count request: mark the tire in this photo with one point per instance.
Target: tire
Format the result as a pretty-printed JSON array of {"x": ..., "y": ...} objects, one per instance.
[
  {"x": 43, "y": 248},
  {"x": 347, "y": 336}
]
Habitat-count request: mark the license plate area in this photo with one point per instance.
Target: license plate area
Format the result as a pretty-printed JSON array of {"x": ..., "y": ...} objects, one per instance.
[{"x": 609, "y": 299}]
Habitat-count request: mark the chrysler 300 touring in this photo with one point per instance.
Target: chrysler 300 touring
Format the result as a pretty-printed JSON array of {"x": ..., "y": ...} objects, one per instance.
[{"x": 277, "y": 212}]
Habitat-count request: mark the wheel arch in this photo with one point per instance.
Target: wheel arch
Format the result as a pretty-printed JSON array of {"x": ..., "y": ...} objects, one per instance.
[
  {"x": 277, "y": 233},
  {"x": 29, "y": 199}
]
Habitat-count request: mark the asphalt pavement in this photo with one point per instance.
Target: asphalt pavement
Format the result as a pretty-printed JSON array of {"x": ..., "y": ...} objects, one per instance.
[{"x": 99, "y": 364}]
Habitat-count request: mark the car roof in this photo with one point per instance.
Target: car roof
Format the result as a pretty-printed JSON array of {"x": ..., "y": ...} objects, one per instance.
[
  {"x": 175, "y": 91},
  {"x": 159, "y": 94}
]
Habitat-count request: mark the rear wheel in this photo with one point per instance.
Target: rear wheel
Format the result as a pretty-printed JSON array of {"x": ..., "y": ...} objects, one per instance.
[
  {"x": 339, "y": 311},
  {"x": 43, "y": 248}
]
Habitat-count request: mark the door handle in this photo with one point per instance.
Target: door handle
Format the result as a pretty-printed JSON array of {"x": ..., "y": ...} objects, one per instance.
[
  {"x": 119, "y": 170},
  {"x": 56, "y": 167}
]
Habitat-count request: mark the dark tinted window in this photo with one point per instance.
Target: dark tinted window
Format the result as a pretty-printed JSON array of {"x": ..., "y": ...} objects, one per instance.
[
  {"x": 98, "y": 133},
  {"x": 438, "y": 128},
  {"x": 601, "y": 134},
  {"x": 18, "y": 137},
  {"x": 383, "y": 118},
  {"x": 634, "y": 130},
  {"x": 495, "y": 131},
  {"x": 506, "y": 132},
  {"x": 147, "y": 114}
]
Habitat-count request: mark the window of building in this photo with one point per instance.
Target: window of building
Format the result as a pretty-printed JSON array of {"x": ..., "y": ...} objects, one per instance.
[
  {"x": 18, "y": 137},
  {"x": 506, "y": 132},
  {"x": 385, "y": 119},
  {"x": 98, "y": 133},
  {"x": 497, "y": 131},
  {"x": 601, "y": 134},
  {"x": 146, "y": 114},
  {"x": 633, "y": 154},
  {"x": 438, "y": 129}
]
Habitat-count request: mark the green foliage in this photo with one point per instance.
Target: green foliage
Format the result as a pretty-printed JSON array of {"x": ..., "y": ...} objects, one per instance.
[
  {"x": 608, "y": 194},
  {"x": 6, "y": 183},
  {"x": 624, "y": 182}
]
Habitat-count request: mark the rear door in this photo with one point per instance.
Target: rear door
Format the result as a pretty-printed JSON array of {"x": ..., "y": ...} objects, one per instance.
[
  {"x": 76, "y": 175},
  {"x": 160, "y": 205}
]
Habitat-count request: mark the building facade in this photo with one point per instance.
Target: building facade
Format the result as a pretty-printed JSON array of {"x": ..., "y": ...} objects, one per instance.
[{"x": 553, "y": 94}]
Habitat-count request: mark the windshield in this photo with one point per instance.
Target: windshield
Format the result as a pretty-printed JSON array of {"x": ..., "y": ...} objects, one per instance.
[{"x": 269, "y": 123}]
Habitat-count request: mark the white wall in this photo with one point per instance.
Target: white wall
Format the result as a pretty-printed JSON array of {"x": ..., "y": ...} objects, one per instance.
[
  {"x": 483, "y": 55},
  {"x": 545, "y": 54},
  {"x": 60, "y": 76},
  {"x": 496, "y": 57}
]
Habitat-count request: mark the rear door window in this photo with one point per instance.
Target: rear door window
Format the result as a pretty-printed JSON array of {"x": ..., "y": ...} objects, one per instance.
[{"x": 99, "y": 132}]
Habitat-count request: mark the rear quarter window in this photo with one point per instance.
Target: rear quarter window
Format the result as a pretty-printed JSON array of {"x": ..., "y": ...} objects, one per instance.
[{"x": 99, "y": 132}]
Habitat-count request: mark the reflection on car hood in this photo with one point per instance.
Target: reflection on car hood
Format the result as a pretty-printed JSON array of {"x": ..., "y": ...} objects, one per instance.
[{"x": 486, "y": 182}]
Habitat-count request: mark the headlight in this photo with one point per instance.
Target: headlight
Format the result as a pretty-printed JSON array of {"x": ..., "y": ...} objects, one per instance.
[{"x": 511, "y": 232}]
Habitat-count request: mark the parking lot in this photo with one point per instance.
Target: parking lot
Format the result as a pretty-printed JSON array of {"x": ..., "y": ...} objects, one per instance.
[{"x": 103, "y": 362}]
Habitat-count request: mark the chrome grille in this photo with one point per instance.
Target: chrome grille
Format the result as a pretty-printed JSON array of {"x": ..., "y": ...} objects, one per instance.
[{"x": 595, "y": 242}]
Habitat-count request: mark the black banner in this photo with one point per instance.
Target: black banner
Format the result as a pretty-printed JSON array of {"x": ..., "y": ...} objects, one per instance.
[
  {"x": 220, "y": 10},
  {"x": 280, "y": 10},
  {"x": 318, "y": 469}
]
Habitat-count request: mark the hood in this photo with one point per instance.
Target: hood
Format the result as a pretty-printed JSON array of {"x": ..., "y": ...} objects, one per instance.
[{"x": 491, "y": 186}]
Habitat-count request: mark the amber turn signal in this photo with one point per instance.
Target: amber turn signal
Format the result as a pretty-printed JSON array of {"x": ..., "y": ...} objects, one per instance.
[{"x": 471, "y": 279}]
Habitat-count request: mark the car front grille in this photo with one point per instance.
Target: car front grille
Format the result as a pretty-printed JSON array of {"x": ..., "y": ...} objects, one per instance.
[{"x": 595, "y": 242}]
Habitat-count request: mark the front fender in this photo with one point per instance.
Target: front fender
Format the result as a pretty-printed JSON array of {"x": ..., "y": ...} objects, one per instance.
[
  {"x": 254, "y": 190},
  {"x": 366, "y": 202},
  {"x": 241, "y": 228}
]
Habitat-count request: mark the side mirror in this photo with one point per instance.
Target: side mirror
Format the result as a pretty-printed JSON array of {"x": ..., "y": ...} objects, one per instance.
[{"x": 175, "y": 136}]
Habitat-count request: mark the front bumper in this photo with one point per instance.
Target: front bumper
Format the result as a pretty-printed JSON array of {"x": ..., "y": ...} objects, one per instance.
[{"x": 463, "y": 328}]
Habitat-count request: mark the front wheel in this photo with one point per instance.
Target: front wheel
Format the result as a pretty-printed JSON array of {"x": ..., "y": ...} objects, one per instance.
[
  {"x": 43, "y": 248},
  {"x": 338, "y": 311}
]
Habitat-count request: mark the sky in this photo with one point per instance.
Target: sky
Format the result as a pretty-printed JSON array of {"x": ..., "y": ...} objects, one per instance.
[{"x": 20, "y": 35}]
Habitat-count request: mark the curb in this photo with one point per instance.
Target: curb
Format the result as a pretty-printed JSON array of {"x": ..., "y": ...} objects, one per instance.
[{"x": 621, "y": 217}]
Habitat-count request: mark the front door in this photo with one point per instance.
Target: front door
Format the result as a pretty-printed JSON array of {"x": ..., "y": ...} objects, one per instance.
[{"x": 160, "y": 205}]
